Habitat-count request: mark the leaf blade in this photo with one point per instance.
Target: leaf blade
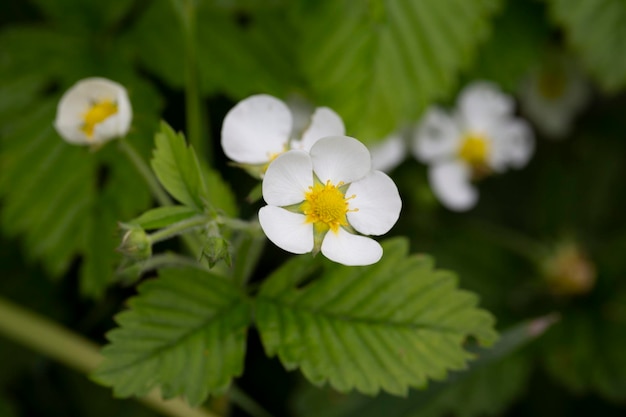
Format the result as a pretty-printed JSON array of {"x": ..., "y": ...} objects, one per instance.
[
  {"x": 185, "y": 332},
  {"x": 335, "y": 329}
]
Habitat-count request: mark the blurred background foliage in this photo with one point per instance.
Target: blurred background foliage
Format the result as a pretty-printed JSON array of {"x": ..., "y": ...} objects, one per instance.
[{"x": 379, "y": 64}]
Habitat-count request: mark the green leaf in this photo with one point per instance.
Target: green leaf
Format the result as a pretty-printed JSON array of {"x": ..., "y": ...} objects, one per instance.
[
  {"x": 518, "y": 39},
  {"x": 63, "y": 201},
  {"x": 380, "y": 63},
  {"x": 389, "y": 326},
  {"x": 262, "y": 46},
  {"x": 185, "y": 178},
  {"x": 159, "y": 217},
  {"x": 219, "y": 192},
  {"x": 490, "y": 382},
  {"x": 184, "y": 332},
  {"x": 596, "y": 47},
  {"x": 178, "y": 169},
  {"x": 586, "y": 352}
]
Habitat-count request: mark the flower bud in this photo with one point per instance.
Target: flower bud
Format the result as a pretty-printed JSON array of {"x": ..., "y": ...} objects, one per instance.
[
  {"x": 216, "y": 247},
  {"x": 569, "y": 271},
  {"x": 135, "y": 243}
]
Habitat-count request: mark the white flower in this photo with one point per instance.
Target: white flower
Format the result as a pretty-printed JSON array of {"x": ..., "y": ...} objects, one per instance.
[
  {"x": 481, "y": 138},
  {"x": 93, "y": 111},
  {"x": 327, "y": 199},
  {"x": 553, "y": 94},
  {"x": 388, "y": 153},
  {"x": 259, "y": 128}
]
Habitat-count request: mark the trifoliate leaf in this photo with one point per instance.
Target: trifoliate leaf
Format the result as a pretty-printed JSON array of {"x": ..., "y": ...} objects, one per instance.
[
  {"x": 380, "y": 63},
  {"x": 184, "y": 332},
  {"x": 389, "y": 326},
  {"x": 596, "y": 47},
  {"x": 159, "y": 217}
]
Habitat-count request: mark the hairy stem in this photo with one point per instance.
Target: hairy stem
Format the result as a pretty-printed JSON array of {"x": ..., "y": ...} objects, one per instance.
[
  {"x": 144, "y": 170},
  {"x": 58, "y": 343}
]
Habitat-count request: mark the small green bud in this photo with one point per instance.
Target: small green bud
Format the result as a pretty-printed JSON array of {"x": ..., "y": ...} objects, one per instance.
[
  {"x": 135, "y": 242},
  {"x": 216, "y": 248}
]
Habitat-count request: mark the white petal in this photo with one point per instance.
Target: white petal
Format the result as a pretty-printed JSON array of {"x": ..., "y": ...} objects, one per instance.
[
  {"x": 389, "y": 153},
  {"x": 378, "y": 203},
  {"x": 324, "y": 122},
  {"x": 437, "y": 136},
  {"x": 512, "y": 145},
  {"x": 255, "y": 129},
  {"x": 352, "y": 250},
  {"x": 480, "y": 104},
  {"x": 553, "y": 115},
  {"x": 287, "y": 230},
  {"x": 124, "y": 114},
  {"x": 451, "y": 184},
  {"x": 340, "y": 159},
  {"x": 287, "y": 179},
  {"x": 78, "y": 99}
]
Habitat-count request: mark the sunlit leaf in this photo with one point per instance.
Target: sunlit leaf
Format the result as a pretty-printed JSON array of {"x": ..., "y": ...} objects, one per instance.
[
  {"x": 380, "y": 63},
  {"x": 185, "y": 332},
  {"x": 389, "y": 326},
  {"x": 488, "y": 385}
]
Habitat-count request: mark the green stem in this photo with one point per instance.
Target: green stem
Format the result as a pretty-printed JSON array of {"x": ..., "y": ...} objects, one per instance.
[
  {"x": 56, "y": 342},
  {"x": 193, "y": 101},
  {"x": 157, "y": 191},
  {"x": 178, "y": 228},
  {"x": 246, "y": 403},
  {"x": 514, "y": 241}
]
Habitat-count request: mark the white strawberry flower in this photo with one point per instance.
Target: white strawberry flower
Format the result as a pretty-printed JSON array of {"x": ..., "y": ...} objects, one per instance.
[
  {"x": 93, "y": 111},
  {"x": 259, "y": 128},
  {"x": 327, "y": 200},
  {"x": 553, "y": 94},
  {"x": 481, "y": 138}
]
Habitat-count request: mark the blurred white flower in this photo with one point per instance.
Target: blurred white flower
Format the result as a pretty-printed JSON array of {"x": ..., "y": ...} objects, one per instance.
[
  {"x": 389, "y": 153},
  {"x": 93, "y": 111},
  {"x": 553, "y": 94},
  {"x": 259, "y": 128},
  {"x": 327, "y": 199},
  {"x": 481, "y": 138}
]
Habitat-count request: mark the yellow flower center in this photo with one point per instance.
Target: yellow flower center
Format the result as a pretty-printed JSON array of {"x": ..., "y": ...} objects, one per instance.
[
  {"x": 474, "y": 150},
  {"x": 326, "y": 206},
  {"x": 97, "y": 113}
]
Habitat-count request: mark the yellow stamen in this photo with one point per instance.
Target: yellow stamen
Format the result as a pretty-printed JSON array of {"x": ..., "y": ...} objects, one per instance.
[
  {"x": 326, "y": 206},
  {"x": 271, "y": 156},
  {"x": 474, "y": 150},
  {"x": 97, "y": 113}
]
